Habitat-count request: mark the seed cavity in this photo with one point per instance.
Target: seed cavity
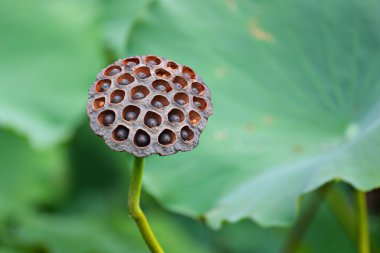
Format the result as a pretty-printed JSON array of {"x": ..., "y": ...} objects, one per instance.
[
  {"x": 195, "y": 118},
  {"x": 142, "y": 72},
  {"x": 113, "y": 70},
  {"x": 139, "y": 92},
  {"x": 188, "y": 73},
  {"x": 179, "y": 82},
  {"x": 103, "y": 85},
  {"x": 187, "y": 134},
  {"x": 131, "y": 113},
  {"x": 181, "y": 98},
  {"x": 160, "y": 102},
  {"x": 200, "y": 103},
  {"x": 162, "y": 85},
  {"x": 197, "y": 88},
  {"x": 117, "y": 96},
  {"x": 152, "y": 60},
  {"x": 131, "y": 62},
  {"x": 167, "y": 137},
  {"x": 176, "y": 116},
  {"x": 99, "y": 103},
  {"x": 120, "y": 133},
  {"x": 152, "y": 119},
  {"x": 141, "y": 139},
  {"x": 125, "y": 79},
  {"x": 106, "y": 118}
]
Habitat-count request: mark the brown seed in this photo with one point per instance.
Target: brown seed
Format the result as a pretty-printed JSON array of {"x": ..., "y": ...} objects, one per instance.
[
  {"x": 131, "y": 116},
  {"x": 164, "y": 138},
  {"x": 151, "y": 122},
  {"x": 184, "y": 134},
  {"x": 138, "y": 95},
  {"x": 124, "y": 81},
  {"x": 117, "y": 99},
  {"x": 113, "y": 71},
  {"x": 121, "y": 134},
  {"x": 131, "y": 64},
  {"x": 158, "y": 104},
  {"x": 195, "y": 90},
  {"x": 105, "y": 86},
  {"x": 174, "y": 118},
  {"x": 142, "y": 139},
  {"x": 108, "y": 119},
  {"x": 180, "y": 101},
  {"x": 197, "y": 104},
  {"x": 141, "y": 75}
]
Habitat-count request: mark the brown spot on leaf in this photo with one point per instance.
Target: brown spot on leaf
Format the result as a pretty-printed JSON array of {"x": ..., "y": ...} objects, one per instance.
[
  {"x": 267, "y": 120},
  {"x": 249, "y": 127},
  {"x": 259, "y": 33},
  {"x": 220, "y": 71},
  {"x": 298, "y": 149},
  {"x": 220, "y": 134},
  {"x": 231, "y": 4}
]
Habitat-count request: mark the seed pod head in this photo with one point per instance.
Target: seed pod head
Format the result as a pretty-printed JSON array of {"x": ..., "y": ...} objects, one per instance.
[{"x": 148, "y": 105}]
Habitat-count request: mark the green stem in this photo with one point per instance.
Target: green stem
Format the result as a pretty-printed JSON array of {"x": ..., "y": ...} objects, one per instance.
[
  {"x": 134, "y": 206},
  {"x": 304, "y": 220},
  {"x": 363, "y": 235},
  {"x": 343, "y": 210}
]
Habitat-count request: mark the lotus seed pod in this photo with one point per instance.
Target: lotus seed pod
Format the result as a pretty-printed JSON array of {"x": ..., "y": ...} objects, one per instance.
[{"x": 148, "y": 105}]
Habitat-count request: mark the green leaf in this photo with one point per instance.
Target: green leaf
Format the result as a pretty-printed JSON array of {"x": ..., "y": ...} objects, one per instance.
[
  {"x": 10, "y": 250},
  {"x": 120, "y": 18},
  {"x": 323, "y": 228},
  {"x": 50, "y": 54},
  {"x": 28, "y": 177},
  {"x": 74, "y": 233},
  {"x": 296, "y": 90}
]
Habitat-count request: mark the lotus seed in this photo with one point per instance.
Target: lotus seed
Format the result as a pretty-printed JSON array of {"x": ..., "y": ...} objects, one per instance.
[
  {"x": 174, "y": 118},
  {"x": 131, "y": 64},
  {"x": 158, "y": 104},
  {"x": 113, "y": 71},
  {"x": 105, "y": 86},
  {"x": 164, "y": 138},
  {"x": 142, "y": 139},
  {"x": 138, "y": 95},
  {"x": 151, "y": 122},
  {"x": 131, "y": 116},
  {"x": 121, "y": 134},
  {"x": 124, "y": 81},
  {"x": 197, "y": 104},
  {"x": 117, "y": 99},
  {"x": 184, "y": 134},
  {"x": 161, "y": 87},
  {"x": 141, "y": 75},
  {"x": 108, "y": 119},
  {"x": 180, "y": 101},
  {"x": 178, "y": 85}
]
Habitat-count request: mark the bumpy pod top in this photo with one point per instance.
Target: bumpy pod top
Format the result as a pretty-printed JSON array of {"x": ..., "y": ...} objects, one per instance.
[{"x": 149, "y": 105}]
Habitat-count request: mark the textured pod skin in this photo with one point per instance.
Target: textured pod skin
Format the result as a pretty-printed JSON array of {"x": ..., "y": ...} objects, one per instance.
[{"x": 175, "y": 86}]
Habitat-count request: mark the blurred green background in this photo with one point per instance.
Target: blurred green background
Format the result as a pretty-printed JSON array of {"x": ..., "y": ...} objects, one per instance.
[{"x": 296, "y": 90}]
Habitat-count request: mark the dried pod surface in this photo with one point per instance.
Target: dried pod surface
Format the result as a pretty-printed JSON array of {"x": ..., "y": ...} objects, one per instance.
[{"x": 148, "y": 105}]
